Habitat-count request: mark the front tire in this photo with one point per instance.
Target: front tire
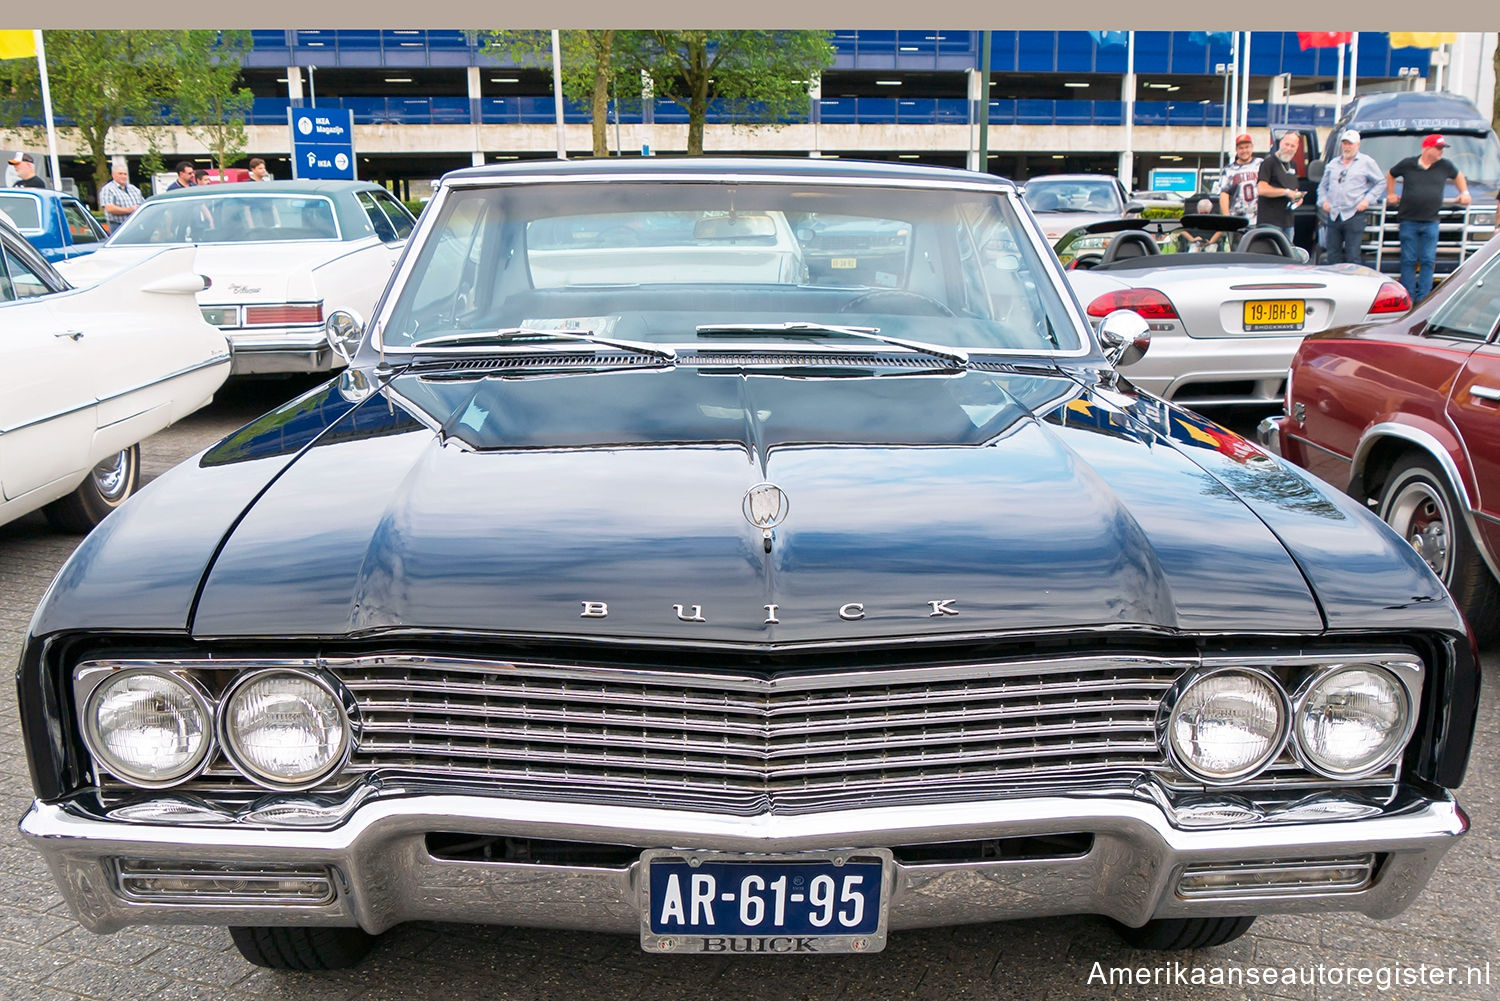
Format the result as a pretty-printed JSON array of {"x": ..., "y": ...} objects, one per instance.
[
  {"x": 1172, "y": 934},
  {"x": 1418, "y": 503},
  {"x": 106, "y": 487},
  {"x": 316, "y": 948}
]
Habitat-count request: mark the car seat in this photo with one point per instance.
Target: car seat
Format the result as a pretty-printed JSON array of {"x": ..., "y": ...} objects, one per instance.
[
  {"x": 1130, "y": 243},
  {"x": 1265, "y": 240}
]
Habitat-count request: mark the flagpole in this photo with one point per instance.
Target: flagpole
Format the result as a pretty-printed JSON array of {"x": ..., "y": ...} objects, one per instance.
[
  {"x": 1338, "y": 94},
  {"x": 1353, "y": 62},
  {"x": 41, "y": 65},
  {"x": 1245, "y": 88}
]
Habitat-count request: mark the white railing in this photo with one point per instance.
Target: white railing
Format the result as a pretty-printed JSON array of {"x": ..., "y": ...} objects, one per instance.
[{"x": 1461, "y": 231}]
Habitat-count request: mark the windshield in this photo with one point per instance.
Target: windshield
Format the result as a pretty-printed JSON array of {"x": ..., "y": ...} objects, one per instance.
[
  {"x": 1074, "y": 195},
  {"x": 1476, "y": 157},
  {"x": 230, "y": 219},
  {"x": 655, "y": 262}
]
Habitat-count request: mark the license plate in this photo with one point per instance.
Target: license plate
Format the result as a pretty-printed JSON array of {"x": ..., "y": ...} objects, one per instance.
[
  {"x": 1275, "y": 314},
  {"x": 844, "y": 263},
  {"x": 787, "y": 904}
]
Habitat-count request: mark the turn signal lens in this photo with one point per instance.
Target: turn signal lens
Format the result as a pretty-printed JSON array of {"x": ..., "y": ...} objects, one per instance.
[
  {"x": 1148, "y": 302},
  {"x": 1392, "y": 298}
]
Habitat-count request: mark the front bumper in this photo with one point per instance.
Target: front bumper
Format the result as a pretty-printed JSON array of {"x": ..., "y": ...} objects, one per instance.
[
  {"x": 384, "y": 873},
  {"x": 271, "y": 350}
]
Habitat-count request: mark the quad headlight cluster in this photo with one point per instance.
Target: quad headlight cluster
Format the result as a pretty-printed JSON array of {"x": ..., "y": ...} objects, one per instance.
[
  {"x": 155, "y": 726},
  {"x": 1227, "y": 724}
]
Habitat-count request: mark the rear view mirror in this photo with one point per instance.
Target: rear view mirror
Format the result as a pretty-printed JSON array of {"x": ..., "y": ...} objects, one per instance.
[{"x": 736, "y": 227}]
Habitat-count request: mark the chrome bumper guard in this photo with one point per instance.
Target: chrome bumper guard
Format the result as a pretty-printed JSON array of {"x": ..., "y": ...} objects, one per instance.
[
  {"x": 1268, "y": 433},
  {"x": 1137, "y": 866}
]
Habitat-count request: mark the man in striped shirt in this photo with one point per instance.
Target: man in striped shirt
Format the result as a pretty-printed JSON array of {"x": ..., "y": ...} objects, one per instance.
[{"x": 119, "y": 199}]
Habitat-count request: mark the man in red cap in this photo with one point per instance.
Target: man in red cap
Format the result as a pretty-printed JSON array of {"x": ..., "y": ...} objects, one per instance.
[
  {"x": 1236, "y": 188},
  {"x": 1423, "y": 181}
]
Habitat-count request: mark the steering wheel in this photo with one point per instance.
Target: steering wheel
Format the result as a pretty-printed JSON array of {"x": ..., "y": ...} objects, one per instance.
[
  {"x": 1085, "y": 261},
  {"x": 904, "y": 301}
]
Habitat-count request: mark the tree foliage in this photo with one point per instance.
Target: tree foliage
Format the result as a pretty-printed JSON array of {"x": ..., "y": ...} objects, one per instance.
[
  {"x": 759, "y": 76},
  {"x": 104, "y": 80},
  {"x": 209, "y": 103},
  {"x": 590, "y": 72}
]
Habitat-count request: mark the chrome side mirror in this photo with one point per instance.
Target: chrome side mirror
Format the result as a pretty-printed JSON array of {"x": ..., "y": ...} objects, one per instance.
[
  {"x": 344, "y": 328},
  {"x": 1125, "y": 336}
]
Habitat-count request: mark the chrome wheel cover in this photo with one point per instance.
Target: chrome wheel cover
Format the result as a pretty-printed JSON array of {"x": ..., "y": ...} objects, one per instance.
[
  {"x": 1419, "y": 512},
  {"x": 112, "y": 477}
]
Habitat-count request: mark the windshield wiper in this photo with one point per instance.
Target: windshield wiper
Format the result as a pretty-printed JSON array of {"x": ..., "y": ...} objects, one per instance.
[
  {"x": 807, "y": 327},
  {"x": 519, "y": 335}
]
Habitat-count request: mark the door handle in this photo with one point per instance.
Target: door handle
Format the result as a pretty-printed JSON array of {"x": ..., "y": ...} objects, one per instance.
[
  {"x": 1485, "y": 393},
  {"x": 78, "y": 335}
]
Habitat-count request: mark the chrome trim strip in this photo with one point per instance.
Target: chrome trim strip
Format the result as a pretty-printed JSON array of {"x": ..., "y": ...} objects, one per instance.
[
  {"x": 207, "y": 363},
  {"x": 390, "y": 877},
  {"x": 1435, "y": 450}
]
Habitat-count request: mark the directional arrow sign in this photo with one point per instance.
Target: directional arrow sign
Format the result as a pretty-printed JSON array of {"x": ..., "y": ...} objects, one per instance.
[{"x": 322, "y": 143}]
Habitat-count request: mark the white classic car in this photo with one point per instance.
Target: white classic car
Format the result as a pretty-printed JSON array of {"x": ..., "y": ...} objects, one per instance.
[
  {"x": 281, "y": 255},
  {"x": 86, "y": 374}
]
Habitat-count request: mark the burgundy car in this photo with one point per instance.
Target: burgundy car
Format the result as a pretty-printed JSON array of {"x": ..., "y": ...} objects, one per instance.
[{"x": 1406, "y": 414}]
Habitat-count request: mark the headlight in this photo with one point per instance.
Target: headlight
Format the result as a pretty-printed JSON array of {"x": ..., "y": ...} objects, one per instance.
[
  {"x": 1352, "y": 720},
  {"x": 285, "y": 729},
  {"x": 148, "y": 727},
  {"x": 1226, "y": 725}
]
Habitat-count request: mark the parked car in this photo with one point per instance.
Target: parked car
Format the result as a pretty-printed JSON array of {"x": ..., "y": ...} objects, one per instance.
[
  {"x": 1224, "y": 323},
  {"x": 57, "y": 225},
  {"x": 756, "y": 615},
  {"x": 85, "y": 375},
  {"x": 282, "y": 255},
  {"x": 1065, "y": 201},
  {"x": 1405, "y": 416}
]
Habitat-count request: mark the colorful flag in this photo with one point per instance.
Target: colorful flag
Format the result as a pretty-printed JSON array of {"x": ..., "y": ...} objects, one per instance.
[
  {"x": 1106, "y": 39},
  {"x": 1205, "y": 37},
  {"x": 1323, "y": 39},
  {"x": 1422, "y": 39},
  {"x": 17, "y": 44}
]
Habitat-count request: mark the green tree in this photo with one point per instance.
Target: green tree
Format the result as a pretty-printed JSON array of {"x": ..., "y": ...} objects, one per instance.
[
  {"x": 99, "y": 81},
  {"x": 209, "y": 102},
  {"x": 589, "y": 70},
  {"x": 761, "y": 76}
]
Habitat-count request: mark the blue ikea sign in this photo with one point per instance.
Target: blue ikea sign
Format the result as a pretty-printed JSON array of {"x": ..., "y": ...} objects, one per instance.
[{"x": 322, "y": 143}]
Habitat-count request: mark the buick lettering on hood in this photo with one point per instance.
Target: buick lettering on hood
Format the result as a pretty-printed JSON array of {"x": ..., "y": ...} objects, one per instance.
[{"x": 751, "y": 557}]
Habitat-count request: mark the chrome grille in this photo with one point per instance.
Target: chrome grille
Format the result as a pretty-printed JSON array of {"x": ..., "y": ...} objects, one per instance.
[{"x": 741, "y": 743}]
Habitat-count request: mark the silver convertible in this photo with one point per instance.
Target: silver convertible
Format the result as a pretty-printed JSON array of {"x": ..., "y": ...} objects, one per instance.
[{"x": 1227, "y": 306}]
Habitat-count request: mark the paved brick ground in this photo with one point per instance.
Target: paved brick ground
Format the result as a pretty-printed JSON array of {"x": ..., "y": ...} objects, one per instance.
[{"x": 44, "y": 954}]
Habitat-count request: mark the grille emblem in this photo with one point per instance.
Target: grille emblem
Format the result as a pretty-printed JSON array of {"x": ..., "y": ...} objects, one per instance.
[{"x": 765, "y": 506}]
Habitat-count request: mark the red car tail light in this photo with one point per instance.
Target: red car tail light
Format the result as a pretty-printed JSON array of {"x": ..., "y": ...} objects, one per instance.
[
  {"x": 1392, "y": 298},
  {"x": 284, "y": 314},
  {"x": 1148, "y": 302}
]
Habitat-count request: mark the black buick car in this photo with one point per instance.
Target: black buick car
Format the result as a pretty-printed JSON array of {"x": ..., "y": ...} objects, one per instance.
[{"x": 649, "y": 572}]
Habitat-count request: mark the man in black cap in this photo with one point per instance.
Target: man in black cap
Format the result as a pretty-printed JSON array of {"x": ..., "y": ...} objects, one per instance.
[{"x": 26, "y": 171}]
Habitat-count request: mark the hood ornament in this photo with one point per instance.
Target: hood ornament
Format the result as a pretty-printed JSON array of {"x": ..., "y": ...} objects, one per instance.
[{"x": 765, "y": 506}]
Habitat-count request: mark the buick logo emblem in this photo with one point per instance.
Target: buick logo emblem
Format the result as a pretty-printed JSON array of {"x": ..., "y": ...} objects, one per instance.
[{"x": 765, "y": 506}]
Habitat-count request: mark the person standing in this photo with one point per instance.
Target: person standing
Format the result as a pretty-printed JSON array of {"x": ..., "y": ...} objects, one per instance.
[
  {"x": 258, "y": 170},
  {"x": 1424, "y": 178},
  {"x": 26, "y": 172},
  {"x": 1350, "y": 185},
  {"x": 119, "y": 199},
  {"x": 1276, "y": 186},
  {"x": 1237, "y": 186},
  {"x": 187, "y": 176}
]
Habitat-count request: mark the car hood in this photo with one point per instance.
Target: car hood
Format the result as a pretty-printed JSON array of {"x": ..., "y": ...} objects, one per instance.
[
  {"x": 261, "y": 272},
  {"x": 613, "y": 505}
]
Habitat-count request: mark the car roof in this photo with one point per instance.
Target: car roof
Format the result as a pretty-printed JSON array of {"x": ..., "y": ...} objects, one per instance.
[
  {"x": 269, "y": 188},
  {"x": 1071, "y": 177},
  {"x": 1414, "y": 112},
  {"x": 38, "y": 193},
  {"x": 811, "y": 168}
]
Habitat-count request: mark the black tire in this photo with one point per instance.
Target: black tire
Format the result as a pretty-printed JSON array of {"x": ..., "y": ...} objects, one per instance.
[
  {"x": 106, "y": 487},
  {"x": 1417, "y": 501},
  {"x": 1171, "y": 934},
  {"x": 302, "y": 948}
]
